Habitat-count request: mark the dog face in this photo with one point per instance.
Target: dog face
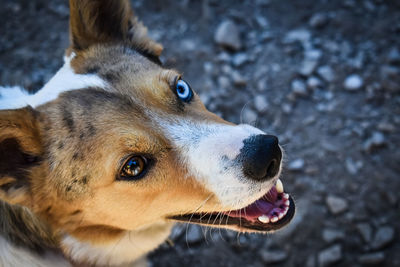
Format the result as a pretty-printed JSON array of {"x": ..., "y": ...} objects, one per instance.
[{"x": 126, "y": 143}]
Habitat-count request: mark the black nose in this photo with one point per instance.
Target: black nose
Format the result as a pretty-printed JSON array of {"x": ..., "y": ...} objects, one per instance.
[{"x": 260, "y": 157}]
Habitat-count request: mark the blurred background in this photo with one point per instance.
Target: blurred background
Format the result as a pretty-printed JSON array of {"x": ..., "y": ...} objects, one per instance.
[{"x": 324, "y": 76}]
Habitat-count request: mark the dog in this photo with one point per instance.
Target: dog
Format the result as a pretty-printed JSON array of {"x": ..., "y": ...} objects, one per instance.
[{"x": 98, "y": 165}]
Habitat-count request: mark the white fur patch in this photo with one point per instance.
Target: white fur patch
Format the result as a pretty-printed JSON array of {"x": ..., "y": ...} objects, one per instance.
[
  {"x": 11, "y": 255},
  {"x": 132, "y": 246},
  {"x": 64, "y": 80},
  {"x": 209, "y": 150}
]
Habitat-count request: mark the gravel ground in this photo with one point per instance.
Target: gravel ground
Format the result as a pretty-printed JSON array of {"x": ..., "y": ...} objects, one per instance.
[{"x": 324, "y": 76}]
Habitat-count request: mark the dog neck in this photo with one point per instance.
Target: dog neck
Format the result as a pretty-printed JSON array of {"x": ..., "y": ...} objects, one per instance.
[
  {"x": 129, "y": 246},
  {"x": 34, "y": 239}
]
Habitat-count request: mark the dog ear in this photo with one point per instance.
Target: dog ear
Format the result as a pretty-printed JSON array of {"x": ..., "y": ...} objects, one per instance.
[
  {"x": 20, "y": 152},
  {"x": 108, "y": 21}
]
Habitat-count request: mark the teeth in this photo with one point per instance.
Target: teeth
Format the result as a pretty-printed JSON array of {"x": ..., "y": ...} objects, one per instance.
[
  {"x": 287, "y": 203},
  {"x": 274, "y": 219},
  {"x": 279, "y": 186},
  {"x": 263, "y": 219}
]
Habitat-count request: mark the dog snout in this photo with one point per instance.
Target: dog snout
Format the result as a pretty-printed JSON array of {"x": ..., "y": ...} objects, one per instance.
[{"x": 260, "y": 157}]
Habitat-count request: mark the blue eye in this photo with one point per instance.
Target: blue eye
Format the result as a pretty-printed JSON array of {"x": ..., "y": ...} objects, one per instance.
[{"x": 183, "y": 91}]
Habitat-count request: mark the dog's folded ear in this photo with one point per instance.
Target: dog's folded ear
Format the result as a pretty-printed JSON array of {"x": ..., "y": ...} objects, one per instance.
[
  {"x": 108, "y": 21},
  {"x": 20, "y": 153}
]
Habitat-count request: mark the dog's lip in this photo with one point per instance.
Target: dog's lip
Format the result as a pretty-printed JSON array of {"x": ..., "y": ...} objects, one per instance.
[{"x": 248, "y": 218}]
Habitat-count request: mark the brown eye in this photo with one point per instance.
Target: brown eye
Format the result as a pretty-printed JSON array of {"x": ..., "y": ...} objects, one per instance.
[{"x": 134, "y": 168}]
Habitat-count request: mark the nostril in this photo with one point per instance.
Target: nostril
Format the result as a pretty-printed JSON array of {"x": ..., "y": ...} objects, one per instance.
[{"x": 271, "y": 169}]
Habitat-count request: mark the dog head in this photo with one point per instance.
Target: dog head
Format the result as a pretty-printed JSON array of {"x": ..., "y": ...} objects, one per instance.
[{"x": 117, "y": 142}]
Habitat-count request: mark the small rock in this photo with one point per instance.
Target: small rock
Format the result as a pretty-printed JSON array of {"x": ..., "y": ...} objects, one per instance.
[
  {"x": 223, "y": 57},
  {"x": 296, "y": 165},
  {"x": 353, "y": 166},
  {"x": 326, "y": 73},
  {"x": 300, "y": 35},
  {"x": 391, "y": 78},
  {"x": 239, "y": 59},
  {"x": 336, "y": 205},
  {"x": 353, "y": 82},
  {"x": 208, "y": 67},
  {"x": 365, "y": 231},
  {"x": 249, "y": 116},
  {"x": 262, "y": 21},
  {"x": 188, "y": 45},
  {"x": 318, "y": 20},
  {"x": 375, "y": 141},
  {"x": 194, "y": 234},
  {"x": 331, "y": 235},
  {"x": 224, "y": 82},
  {"x": 393, "y": 56},
  {"x": 383, "y": 237},
  {"x": 372, "y": 258},
  {"x": 227, "y": 35},
  {"x": 286, "y": 108},
  {"x": 299, "y": 87},
  {"x": 330, "y": 255},
  {"x": 313, "y": 82},
  {"x": 238, "y": 79},
  {"x": 386, "y": 127},
  {"x": 307, "y": 67},
  {"x": 260, "y": 103},
  {"x": 273, "y": 256}
]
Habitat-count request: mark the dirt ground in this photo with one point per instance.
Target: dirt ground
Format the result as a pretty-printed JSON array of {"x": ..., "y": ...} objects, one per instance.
[{"x": 324, "y": 76}]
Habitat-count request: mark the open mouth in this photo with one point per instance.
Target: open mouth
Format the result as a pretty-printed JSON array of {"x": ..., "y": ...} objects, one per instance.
[{"x": 269, "y": 213}]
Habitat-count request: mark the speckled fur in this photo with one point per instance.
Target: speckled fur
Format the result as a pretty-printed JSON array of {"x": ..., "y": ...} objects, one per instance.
[{"x": 63, "y": 157}]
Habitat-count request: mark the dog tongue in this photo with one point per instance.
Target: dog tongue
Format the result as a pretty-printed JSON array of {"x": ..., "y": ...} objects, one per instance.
[{"x": 264, "y": 205}]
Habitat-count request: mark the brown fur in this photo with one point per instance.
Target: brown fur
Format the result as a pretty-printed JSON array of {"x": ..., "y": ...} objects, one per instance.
[
  {"x": 102, "y": 22},
  {"x": 62, "y": 160}
]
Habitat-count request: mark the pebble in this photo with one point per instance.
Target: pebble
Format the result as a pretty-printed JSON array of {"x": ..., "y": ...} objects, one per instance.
[
  {"x": 326, "y": 73},
  {"x": 299, "y": 87},
  {"x": 194, "y": 234},
  {"x": 336, "y": 205},
  {"x": 307, "y": 67},
  {"x": 375, "y": 141},
  {"x": 249, "y": 116},
  {"x": 365, "y": 230},
  {"x": 353, "y": 166},
  {"x": 223, "y": 57},
  {"x": 238, "y": 79},
  {"x": 353, "y": 82},
  {"x": 208, "y": 67},
  {"x": 239, "y": 59},
  {"x": 330, "y": 256},
  {"x": 393, "y": 56},
  {"x": 296, "y": 165},
  {"x": 273, "y": 256},
  {"x": 300, "y": 35},
  {"x": 313, "y": 82},
  {"x": 318, "y": 20},
  {"x": 331, "y": 235},
  {"x": 386, "y": 127},
  {"x": 227, "y": 35},
  {"x": 260, "y": 103},
  {"x": 383, "y": 237},
  {"x": 372, "y": 258},
  {"x": 224, "y": 82}
]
